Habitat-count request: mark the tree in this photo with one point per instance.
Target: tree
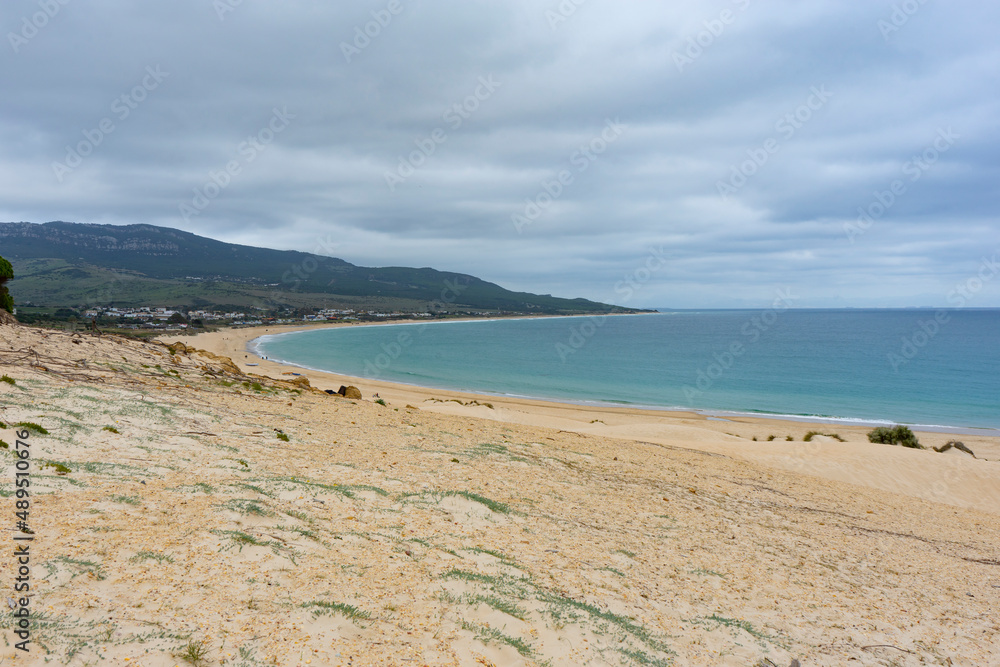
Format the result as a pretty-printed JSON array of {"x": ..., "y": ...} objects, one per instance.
[{"x": 6, "y": 273}]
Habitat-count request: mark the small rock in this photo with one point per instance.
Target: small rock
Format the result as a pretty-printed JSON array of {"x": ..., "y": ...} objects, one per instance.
[{"x": 351, "y": 392}]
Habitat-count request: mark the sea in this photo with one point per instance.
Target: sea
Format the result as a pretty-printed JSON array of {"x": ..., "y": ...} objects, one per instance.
[{"x": 937, "y": 369}]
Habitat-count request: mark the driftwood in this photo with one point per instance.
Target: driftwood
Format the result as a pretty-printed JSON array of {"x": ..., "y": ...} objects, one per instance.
[{"x": 957, "y": 445}]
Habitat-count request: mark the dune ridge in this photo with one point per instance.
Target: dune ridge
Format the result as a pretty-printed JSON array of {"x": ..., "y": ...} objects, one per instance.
[{"x": 184, "y": 506}]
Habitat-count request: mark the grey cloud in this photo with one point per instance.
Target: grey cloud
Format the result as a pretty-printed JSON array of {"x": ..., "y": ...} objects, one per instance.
[{"x": 654, "y": 186}]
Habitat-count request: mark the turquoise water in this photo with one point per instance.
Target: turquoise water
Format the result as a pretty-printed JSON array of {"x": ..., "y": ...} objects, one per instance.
[{"x": 910, "y": 366}]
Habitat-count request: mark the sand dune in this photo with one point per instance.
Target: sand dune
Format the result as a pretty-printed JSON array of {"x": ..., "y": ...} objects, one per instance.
[{"x": 387, "y": 535}]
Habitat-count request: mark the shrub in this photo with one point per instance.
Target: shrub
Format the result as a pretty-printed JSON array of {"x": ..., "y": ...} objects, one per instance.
[
  {"x": 282, "y": 436},
  {"x": 380, "y": 401},
  {"x": 809, "y": 436},
  {"x": 6, "y": 273},
  {"x": 111, "y": 429},
  {"x": 8, "y": 379},
  {"x": 896, "y": 435}
]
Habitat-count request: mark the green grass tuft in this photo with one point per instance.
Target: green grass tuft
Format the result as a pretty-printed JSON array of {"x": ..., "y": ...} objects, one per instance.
[
  {"x": 746, "y": 626},
  {"x": 195, "y": 653},
  {"x": 152, "y": 555},
  {"x": 9, "y": 380},
  {"x": 59, "y": 467},
  {"x": 492, "y": 505},
  {"x": 320, "y": 607},
  {"x": 111, "y": 429},
  {"x": 486, "y": 634},
  {"x": 245, "y": 539},
  {"x": 282, "y": 436},
  {"x": 246, "y": 506},
  {"x": 32, "y": 426}
]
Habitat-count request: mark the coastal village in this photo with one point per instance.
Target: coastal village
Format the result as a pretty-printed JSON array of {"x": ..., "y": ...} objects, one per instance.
[{"x": 163, "y": 317}]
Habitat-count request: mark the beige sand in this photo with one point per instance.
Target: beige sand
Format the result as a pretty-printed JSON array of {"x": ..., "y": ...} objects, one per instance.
[{"x": 383, "y": 535}]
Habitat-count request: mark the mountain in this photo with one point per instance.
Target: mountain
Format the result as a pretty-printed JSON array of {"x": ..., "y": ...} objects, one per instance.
[{"x": 60, "y": 264}]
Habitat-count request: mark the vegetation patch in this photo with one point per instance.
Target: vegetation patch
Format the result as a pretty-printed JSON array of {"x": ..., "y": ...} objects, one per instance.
[
  {"x": 323, "y": 608},
  {"x": 492, "y": 505},
  {"x": 60, "y": 468},
  {"x": 486, "y": 634},
  {"x": 502, "y": 557},
  {"x": 811, "y": 434},
  {"x": 152, "y": 555},
  {"x": 627, "y": 636},
  {"x": 195, "y": 653},
  {"x": 438, "y": 496},
  {"x": 485, "y": 449},
  {"x": 9, "y": 380},
  {"x": 251, "y": 487},
  {"x": 896, "y": 435},
  {"x": 197, "y": 487},
  {"x": 78, "y": 567},
  {"x": 242, "y": 539},
  {"x": 111, "y": 429},
  {"x": 246, "y": 506},
  {"x": 32, "y": 426},
  {"x": 740, "y": 624}
]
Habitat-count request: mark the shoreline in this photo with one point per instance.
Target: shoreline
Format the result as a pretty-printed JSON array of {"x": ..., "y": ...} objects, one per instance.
[
  {"x": 773, "y": 442},
  {"x": 252, "y": 348}
]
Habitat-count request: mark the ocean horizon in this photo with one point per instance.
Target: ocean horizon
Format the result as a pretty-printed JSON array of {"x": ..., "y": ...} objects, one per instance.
[{"x": 937, "y": 369}]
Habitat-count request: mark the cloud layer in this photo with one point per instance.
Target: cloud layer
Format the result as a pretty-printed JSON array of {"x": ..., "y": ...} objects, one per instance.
[{"x": 846, "y": 150}]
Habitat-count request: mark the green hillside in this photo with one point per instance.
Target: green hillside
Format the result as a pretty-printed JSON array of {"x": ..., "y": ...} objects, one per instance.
[{"x": 62, "y": 264}]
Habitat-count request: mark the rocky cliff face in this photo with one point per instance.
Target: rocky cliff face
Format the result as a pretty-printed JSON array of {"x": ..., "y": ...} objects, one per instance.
[{"x": 12, "y": 232}]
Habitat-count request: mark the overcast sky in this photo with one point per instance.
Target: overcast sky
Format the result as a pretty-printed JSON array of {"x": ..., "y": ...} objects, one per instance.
[{"x": 647, "y": 154}]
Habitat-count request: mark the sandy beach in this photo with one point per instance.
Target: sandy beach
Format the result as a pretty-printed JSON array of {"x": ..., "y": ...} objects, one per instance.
[
  {"x": 187, "y": 510},
  {"x": 952, "y": 478}
]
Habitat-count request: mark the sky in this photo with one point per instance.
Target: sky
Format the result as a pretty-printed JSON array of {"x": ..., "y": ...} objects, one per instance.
[{"x": 682, "y": 155}]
